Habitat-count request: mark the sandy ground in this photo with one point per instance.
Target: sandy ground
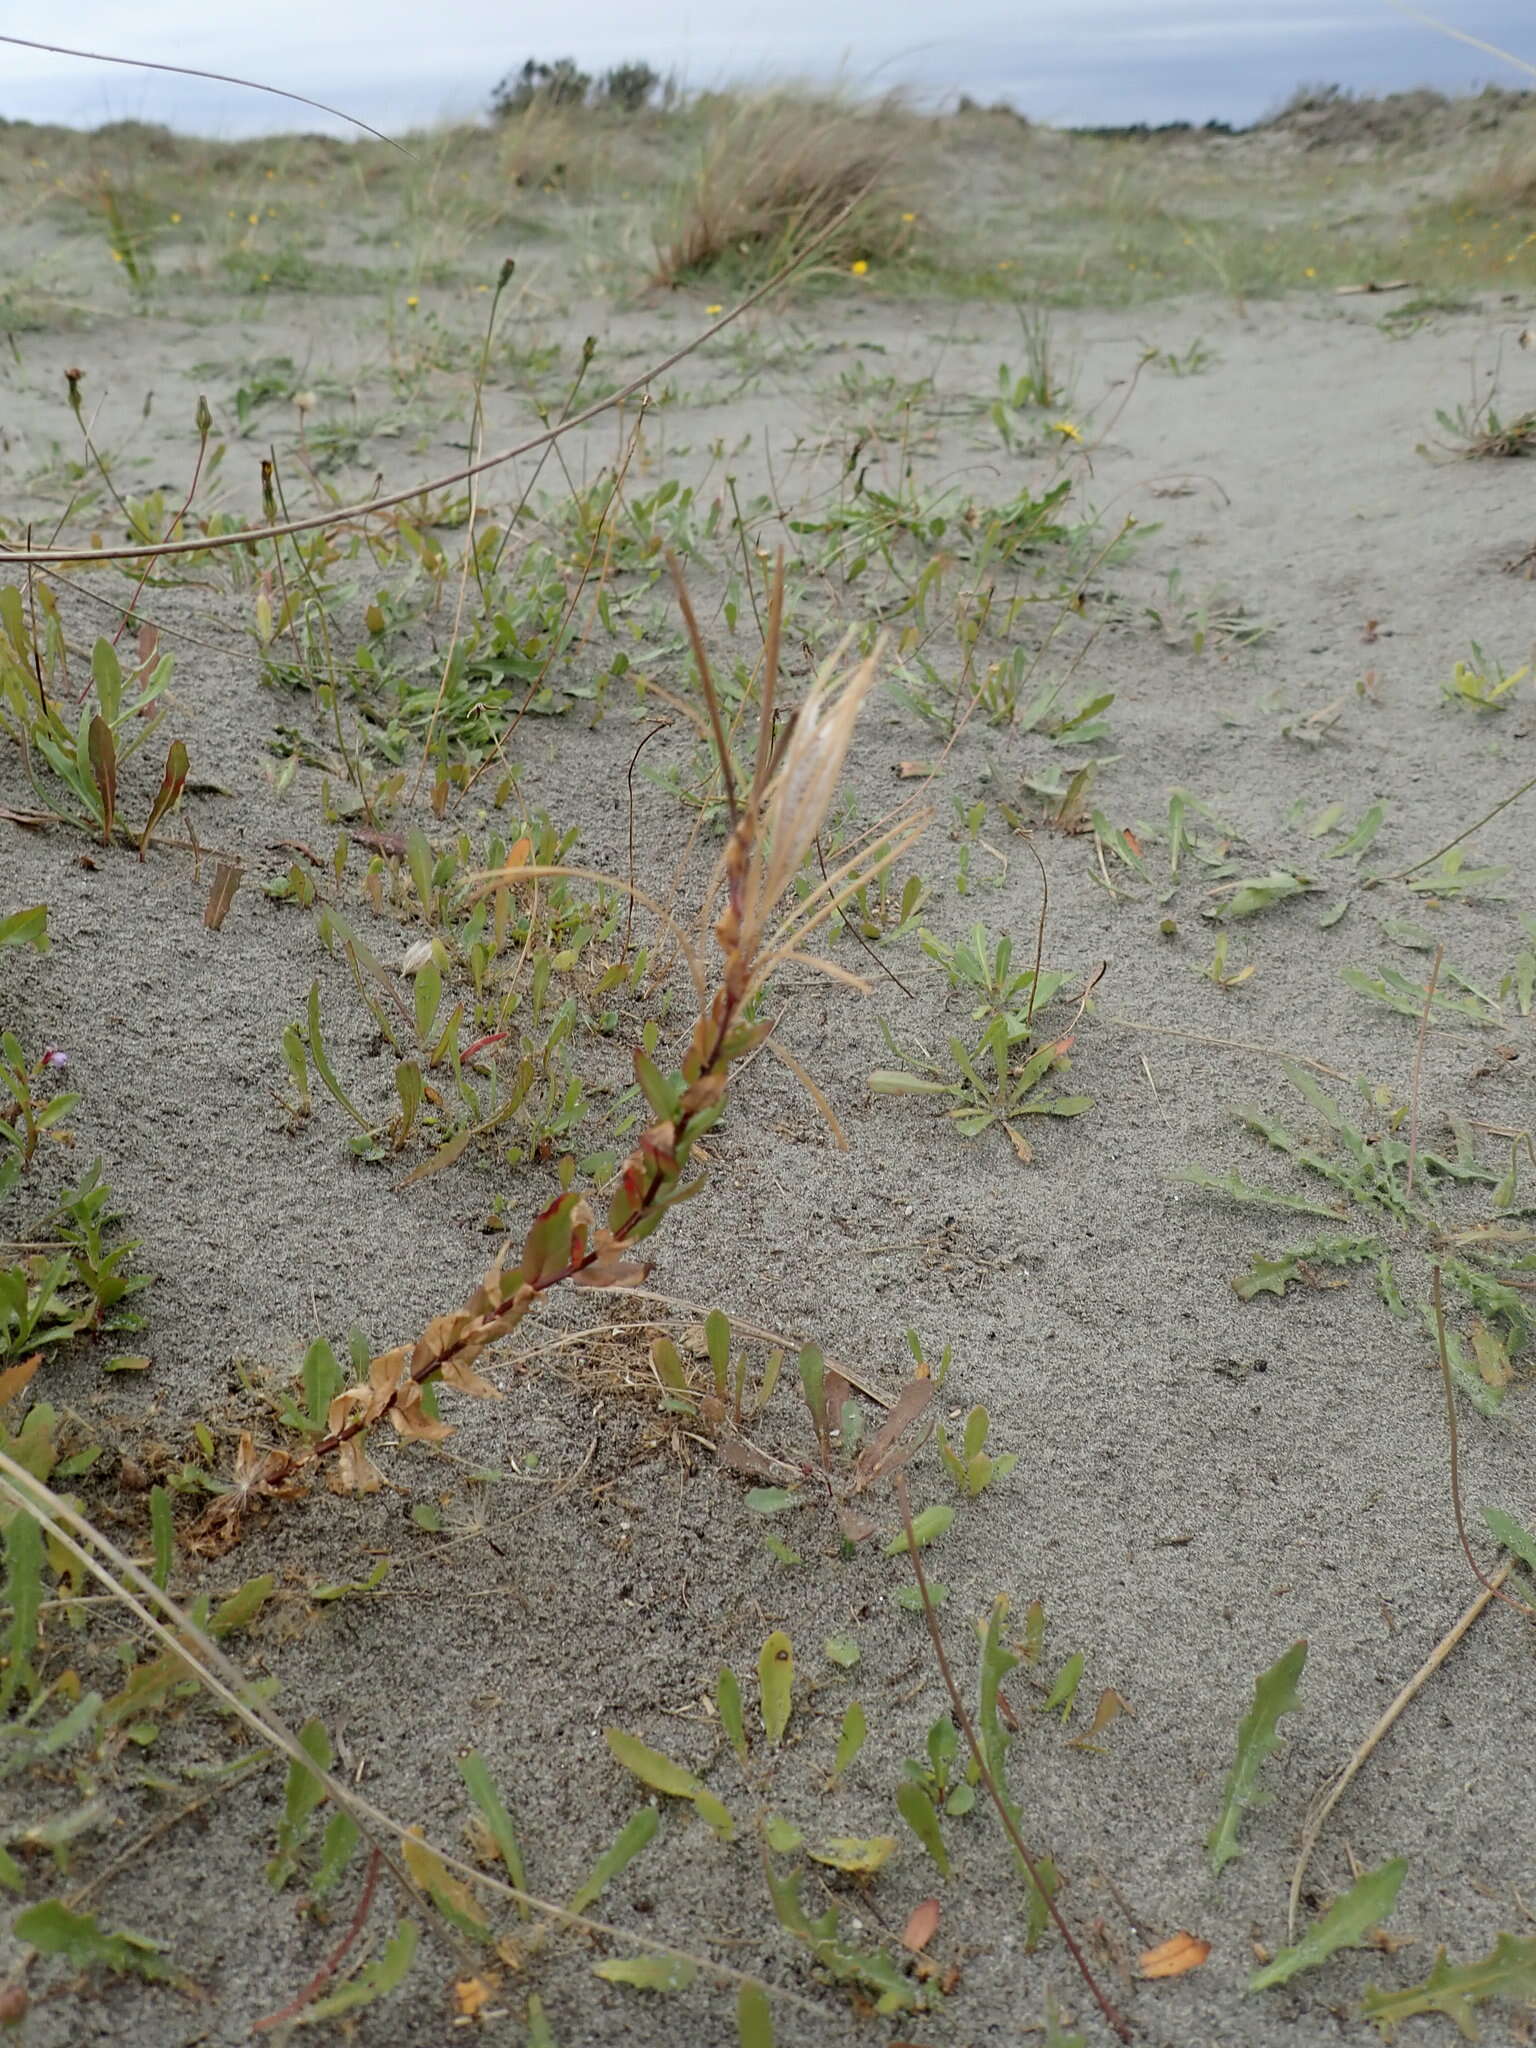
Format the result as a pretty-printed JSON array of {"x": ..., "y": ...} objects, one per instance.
[{"x": 1201, "y": 1480}]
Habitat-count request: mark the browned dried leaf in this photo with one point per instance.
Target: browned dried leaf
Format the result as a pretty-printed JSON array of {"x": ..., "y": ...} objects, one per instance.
[
  {"x": 15, "y": 1377},
  {"x": 740, "y": 1456},
  {"x": 226, "y": 881},
  {"x": 1175, "y": 1957},
  {"x": 410, "y": 1419},
  {"x": 922, "y": 1925},
  {"x": 608, "y": 1269},
  {"x": 259, "y": 1476},
  {"x": 471, "y": 1995},
  {"x": 875, "y": 1458},
  {"x": 445, "y": 1155},
  {"x": 352, "y": 1470}
]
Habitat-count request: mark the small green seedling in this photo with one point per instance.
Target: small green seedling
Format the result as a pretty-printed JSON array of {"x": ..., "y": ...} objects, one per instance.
[
  {"x": 1274, "y": 1695},
  {"x": 973, "y": 1468},
  {"x": 1346, "y": 1924},
  {"x": 1481, "y": 684},
  {"x": 1457, "y": 1989}
]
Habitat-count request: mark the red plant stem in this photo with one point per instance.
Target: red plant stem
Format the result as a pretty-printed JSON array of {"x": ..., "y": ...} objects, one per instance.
[
  {"x": 333, "y": 1961},
  {"x": 359, "y": 1423},
  {"x": 1112, "y": 2015}
]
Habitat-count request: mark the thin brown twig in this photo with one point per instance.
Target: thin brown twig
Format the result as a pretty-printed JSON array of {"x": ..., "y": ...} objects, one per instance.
[
  {"x": 217, "y": 78},
  {"x": 217, "y": 1673},
  {"x": 662, "y": 725},
  {"x": 1273, "y": 1052},
  {"x": 1317, "y": 1820},
  {"x": 1113, "y": 2017},
  {"x": 1400, "y": 874},
  {"x": 1045, "y": 905},
  {"x": 204, "y": 429},
  {"x": 368, "y": 508}
]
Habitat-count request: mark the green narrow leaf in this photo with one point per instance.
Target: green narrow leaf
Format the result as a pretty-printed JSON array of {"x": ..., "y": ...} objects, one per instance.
[
  {"x": 1274, "y": 1694},
  {"x": 1064, "y": 1692},
  {"x": 540, "y": 2033},
  {"x": 850, "y": 1738},
  {"x": 649, "y": 1973},
  {"x": 162, "y": 1534},
  {"x": 107, "y": 674},
  {"x": 418, "y": 854},
  {"x": 241, "y": 1608},
  {"x": 926, "y": 1528},
  {"x": 341, "y": 1837},
  {"x": 1346, "y": 1924},
  {"x": 103, "y": 755},
  {"x": 52, "y": 1929},
  {"x": 776, "y": 1676},
  {"x": 620, "y": 1853},
  {"x": 428, "y": 995},
  {"x": 754, "y": 2017},
  {"x": 1038, "y": 1918},
  {"x": 303, "y": 1793},
  {"x": 324, "y": 1069},
  {"x": 498, "y": 1821},
  {"x": 1358, "y": 840},
  {"x": 662, "y": 1775},
  {"x": 375, "y": 1980},
  {"x": 26, "y": 928},
  {"x": 24, "y": 1598},
  {"x": 297, "y": 1062},
  {"x": 1511, "y": 1536},
  {"x": 717, "y": 1336},
  {"x": 322, "y": 1382},
  {"x": 449, "y": 1894},
  {"x": 917, "y": 1810}
]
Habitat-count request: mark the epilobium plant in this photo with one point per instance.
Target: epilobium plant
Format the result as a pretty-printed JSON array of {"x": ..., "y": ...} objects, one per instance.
[{"x": 774, "y": 825}]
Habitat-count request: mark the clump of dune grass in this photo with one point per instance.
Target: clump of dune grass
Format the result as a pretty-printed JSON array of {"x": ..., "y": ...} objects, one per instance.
[
  {"x": 1504, "y": 189},
  {"x": 772, "y": 172}
]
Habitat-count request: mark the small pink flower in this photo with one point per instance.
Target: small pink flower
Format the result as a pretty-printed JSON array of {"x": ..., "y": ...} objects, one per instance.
[{"x": 54, "y": 1057}]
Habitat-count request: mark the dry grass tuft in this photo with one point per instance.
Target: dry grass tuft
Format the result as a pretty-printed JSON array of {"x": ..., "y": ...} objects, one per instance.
[
  {"x": 774, "y": 171},
  {"x": 1505, "y": 188}
]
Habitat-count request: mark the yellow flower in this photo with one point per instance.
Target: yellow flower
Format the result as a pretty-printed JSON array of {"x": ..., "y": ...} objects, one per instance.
[
  {"x": 1066, "y": 430},
  {"x": 413, "y": 300},
  {"x": 254, "y": 219},
  {"x": 1309, "y": 271},
  {"x": 175, "y": 220},
  {"x": 117, "y": 255},
  {"x": 909, "y": 218},
  {"x": 860, "y": 268},
  {"x": 712, "y": 310}
]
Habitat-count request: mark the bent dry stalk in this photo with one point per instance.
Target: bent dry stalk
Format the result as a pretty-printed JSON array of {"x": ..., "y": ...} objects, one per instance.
[{"x": 774, "y": 827}]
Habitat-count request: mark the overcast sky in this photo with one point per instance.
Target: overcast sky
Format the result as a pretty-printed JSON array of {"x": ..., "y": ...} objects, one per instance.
[{"x": 394, "y": 62}]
